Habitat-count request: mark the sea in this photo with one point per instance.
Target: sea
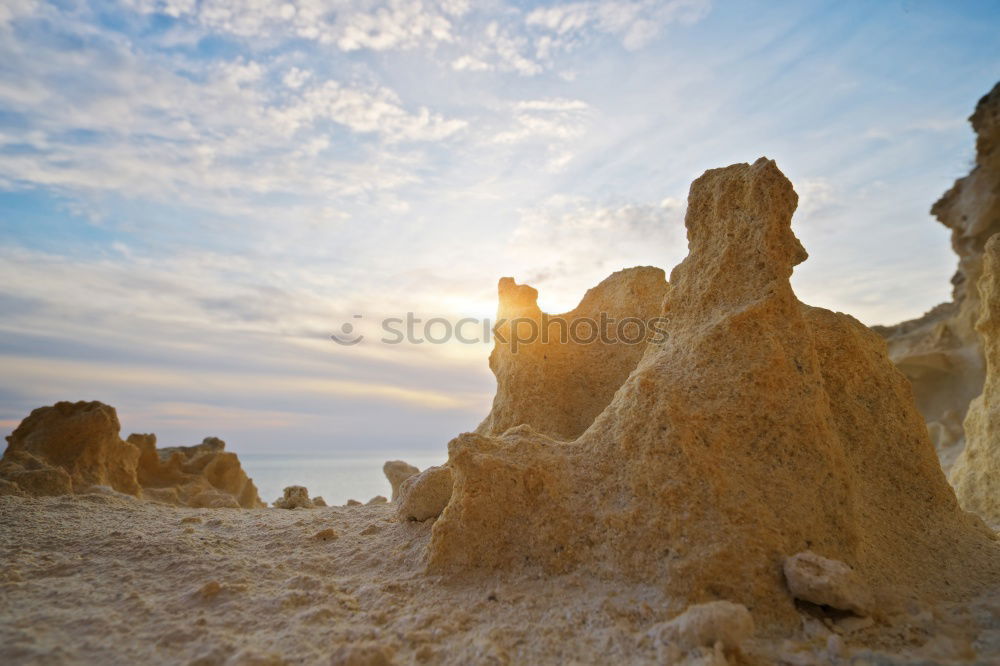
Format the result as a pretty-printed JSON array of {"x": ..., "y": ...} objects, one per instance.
[{"x": 334, "y": 478}]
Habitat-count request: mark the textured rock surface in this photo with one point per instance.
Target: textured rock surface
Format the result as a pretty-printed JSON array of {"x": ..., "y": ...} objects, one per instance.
[
  {"x": 294, "y": 497},
  {"x": 424, "y": 495},
  {"x": 940, "y": 352},
  {"x": 760, "y": 428},
  {"x": 976, "y": 474},
  {"x": 204, "y": 475},
  {"x": 69, "y": 448},
  {"x": 704, "y": 625},
  {"x": 398, "y": 471},
  {"x": 820, "y": 580},
  {"x": 556, "y": 385}
]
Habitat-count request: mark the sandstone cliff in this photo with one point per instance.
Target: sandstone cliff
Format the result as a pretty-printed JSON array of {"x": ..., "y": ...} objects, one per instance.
[
  {"x": 976, "y": 474},
  {"x": 940, "y": 352},
  {"x": 72, "y": 448},
  {"x": 758, "y": 428}
]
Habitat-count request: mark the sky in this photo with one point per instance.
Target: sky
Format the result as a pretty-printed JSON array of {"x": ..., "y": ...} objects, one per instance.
[{"x": 195, "y": 194}]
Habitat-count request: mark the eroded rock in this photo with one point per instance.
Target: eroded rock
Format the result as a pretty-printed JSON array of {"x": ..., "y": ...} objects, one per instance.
[
  {"x": 976, "y": 474},
  {"x": 70, "y": 448},
  {"x": 294, "y": 497},
  {"x": 67, "y": 448},
  {"x": 758, "y": 427},
  {"x": 398, "y": 471},
  {"x": 704, "y": 625},
  {"x": 826, "y": 582},
  {"x": 560, "y": 381},
  {"x": 941, "y": 353},
  {"x": 204, "y": 475},
  {"x": 425, "y": 495}
]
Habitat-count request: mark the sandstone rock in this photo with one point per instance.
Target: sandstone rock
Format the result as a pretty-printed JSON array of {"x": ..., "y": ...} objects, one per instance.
[
  {"x": 398, "y": 471},
  {"x": 758, "y": 428},
  {"x": 976, "y": 474},
  {"x": 378, "y": 499},
  {"x": 826, "y": 582},
  {"x": 704, "y": 625},
  {"x": 70, "y": 448},
  {"x": 425, "y": 495},
  {"x": 560, "y": 381},
  {"x": 940, "y": 352},
  {"x": 319, "y": 502},
  {"x": 294, "y": 497},
  {"x": 201, "y": 475},
  {"x": 353, "y": 502},
  {"x": 208, "y": 445}
]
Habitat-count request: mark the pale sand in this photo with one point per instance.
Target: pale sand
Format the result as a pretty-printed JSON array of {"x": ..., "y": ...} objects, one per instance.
[{"x": 113, "y": 580}]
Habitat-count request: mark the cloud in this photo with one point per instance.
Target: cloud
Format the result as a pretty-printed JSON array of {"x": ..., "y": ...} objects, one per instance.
[
  {"x": 556, "y": 123},
  {"x": 566, "y": 242},
  {"x": 12, "y": 10},
  {"x": 348, "y": 25},
  {"x": 375, "y": 111},
  {"x": 138, "y": 125},
  {"x": 634, "y": 23}
]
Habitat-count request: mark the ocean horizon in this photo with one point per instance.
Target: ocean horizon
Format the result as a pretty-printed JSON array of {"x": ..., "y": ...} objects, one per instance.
[{"x": 335, "y": 478}]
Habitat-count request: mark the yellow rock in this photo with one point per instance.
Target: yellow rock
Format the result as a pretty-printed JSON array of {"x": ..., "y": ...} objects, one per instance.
[{"x": 759, "y": 428}]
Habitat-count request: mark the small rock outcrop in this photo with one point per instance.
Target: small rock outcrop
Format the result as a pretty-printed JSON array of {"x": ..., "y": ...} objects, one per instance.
[
  {"x": 294, "y": 497},
  {"x": 941, "y": 353},
  {"x": 556, "y": 373},
  {"x": 67, "y": 448},
  {"x": 204, "y": 475},
  {"x": 425, "y": 495},
  {"x": 398, "y": 471},
  {"x": 826, "y": 582},
  {"x": 976, "y": 473},
  {"x": 757, "y": 428},
  {"x": 70, "y": 448},
  {"x": 705, "y": 625}
]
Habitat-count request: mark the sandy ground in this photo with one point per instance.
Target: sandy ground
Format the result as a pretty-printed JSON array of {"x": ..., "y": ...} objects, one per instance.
[{"x": 110, "y": 580}]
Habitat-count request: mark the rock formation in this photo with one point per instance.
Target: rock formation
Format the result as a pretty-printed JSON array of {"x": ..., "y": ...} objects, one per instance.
[
  {"x": 826, "y": 582},
  {"x": 705, "y": 625},
  {"x": 72, "y": 447},
  {"x": 204, "y": 475},
  {"x": 294, "y": 497},
  {"x": 556, "y": 373},
  {"x": 976, "y": 474},
  {"x": 68, "y": 448},
  {"x": 398, "y": 471},
  {"x": 425, "y": 495},
  {"x": 757, "y": 428},
  {"x": 940, "y": 352}
]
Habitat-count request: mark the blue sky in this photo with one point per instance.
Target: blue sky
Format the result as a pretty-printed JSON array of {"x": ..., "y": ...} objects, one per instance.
[{"x": 195, "y": 194}]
